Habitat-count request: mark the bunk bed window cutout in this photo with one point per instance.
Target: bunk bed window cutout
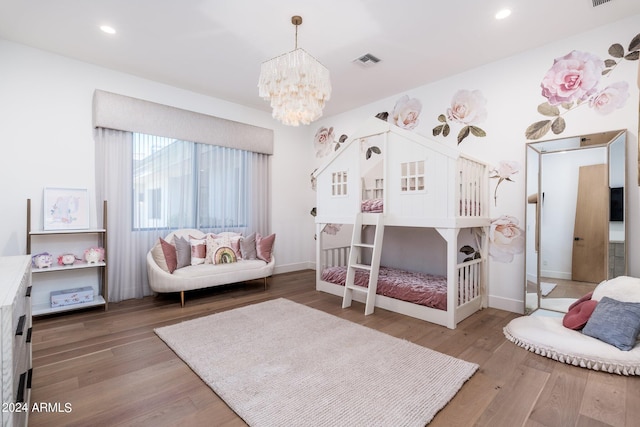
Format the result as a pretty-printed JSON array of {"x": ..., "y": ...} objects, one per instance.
[
  {"x": 372, "y": 174},
  {"x": 339, "y": 184},
  {"x": 412, "y": 177}
]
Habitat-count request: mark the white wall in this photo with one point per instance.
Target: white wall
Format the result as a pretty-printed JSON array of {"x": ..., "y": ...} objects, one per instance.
[
  {"x": 47, "y": 140},
  {"x": 512, "y": 89}
]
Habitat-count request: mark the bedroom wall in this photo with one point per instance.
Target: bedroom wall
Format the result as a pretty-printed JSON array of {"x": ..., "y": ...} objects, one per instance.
[
  {"x": 47, "y": 140},
  {"x": 512, "y": 91}
]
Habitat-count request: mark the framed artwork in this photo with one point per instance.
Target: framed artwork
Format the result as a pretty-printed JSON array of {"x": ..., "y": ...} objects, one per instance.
[{"x": 66, "y": 209}]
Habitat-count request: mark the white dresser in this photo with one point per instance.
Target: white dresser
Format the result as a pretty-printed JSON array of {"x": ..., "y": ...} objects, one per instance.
[{"x": 15, "y": 339}]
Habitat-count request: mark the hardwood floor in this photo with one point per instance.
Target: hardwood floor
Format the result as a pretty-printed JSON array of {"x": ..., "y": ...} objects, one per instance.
[{"x": 96, "y": 368}]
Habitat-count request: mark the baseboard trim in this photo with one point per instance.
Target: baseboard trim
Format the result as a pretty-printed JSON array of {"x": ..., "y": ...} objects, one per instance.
[
  {"x": 288, "y": 268},
  {"x": 506, "y": 304}
]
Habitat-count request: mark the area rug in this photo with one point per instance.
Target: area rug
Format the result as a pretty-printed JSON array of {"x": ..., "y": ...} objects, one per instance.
[{"x": 279, "y": 363}]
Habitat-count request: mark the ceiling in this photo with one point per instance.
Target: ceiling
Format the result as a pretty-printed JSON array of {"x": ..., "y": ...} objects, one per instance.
[{"x": 215, "y": 47}]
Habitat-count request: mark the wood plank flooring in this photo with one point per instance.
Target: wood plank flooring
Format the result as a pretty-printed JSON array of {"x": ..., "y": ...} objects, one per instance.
[{"x": 112, "y": 370}]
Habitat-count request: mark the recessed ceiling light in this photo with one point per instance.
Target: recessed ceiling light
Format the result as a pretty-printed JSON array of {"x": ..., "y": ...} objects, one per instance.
[
  {"x": 503, "y": 13},
  {"x": 108, "y": 29}
]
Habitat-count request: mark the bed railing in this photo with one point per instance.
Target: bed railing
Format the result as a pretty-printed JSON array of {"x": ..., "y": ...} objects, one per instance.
[
  {"x": 472, "y": 186},
  {"x": 469, "y": 281},
  {"x": 335, "y": 257},
  {"x": 468, "y": 273}
]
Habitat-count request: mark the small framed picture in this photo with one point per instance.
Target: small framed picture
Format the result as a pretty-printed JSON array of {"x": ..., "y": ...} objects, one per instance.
[{"x": 66, "y": 209}]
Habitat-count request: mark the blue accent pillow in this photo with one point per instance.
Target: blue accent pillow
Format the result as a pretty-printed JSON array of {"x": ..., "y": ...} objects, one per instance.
[{"x": 615, "y": 322}]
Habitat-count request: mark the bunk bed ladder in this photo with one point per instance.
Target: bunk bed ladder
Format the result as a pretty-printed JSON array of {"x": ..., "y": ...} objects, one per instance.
[{"x": 356, "y": 263}]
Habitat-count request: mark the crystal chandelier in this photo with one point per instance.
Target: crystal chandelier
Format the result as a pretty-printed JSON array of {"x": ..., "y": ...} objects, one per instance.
[{"x": 296, "y": 84}]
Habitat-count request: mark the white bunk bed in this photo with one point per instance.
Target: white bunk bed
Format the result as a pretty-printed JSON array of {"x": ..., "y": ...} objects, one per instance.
[{"x": 411, "y": 181}]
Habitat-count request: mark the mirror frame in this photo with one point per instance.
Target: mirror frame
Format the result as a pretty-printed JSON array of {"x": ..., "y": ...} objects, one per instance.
[{"x": 534, "y": 196}]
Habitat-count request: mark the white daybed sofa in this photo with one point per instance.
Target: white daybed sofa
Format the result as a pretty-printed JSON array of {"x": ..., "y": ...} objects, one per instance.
[{"x": 202, "y": 276}]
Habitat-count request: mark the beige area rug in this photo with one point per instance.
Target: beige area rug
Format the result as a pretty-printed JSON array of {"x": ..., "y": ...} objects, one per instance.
[{"x": 279, "y": 363}]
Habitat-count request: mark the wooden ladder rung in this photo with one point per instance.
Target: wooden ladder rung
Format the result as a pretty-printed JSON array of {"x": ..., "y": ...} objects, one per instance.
[{"x": 364, "y": 245}]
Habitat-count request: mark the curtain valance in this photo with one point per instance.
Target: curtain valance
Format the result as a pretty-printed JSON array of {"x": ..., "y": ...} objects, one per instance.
[{"x": 114, "y": 111}]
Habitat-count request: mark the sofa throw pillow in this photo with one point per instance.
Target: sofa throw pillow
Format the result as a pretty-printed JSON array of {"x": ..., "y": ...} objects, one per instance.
[
  {"x": 248, "y": 247},
  {"x": 235, "y": 245},
  {"x": 198, "y": 250},
  {"x": 158, "y": 256},
  {"x": 183, "y": 251},
  {"x": 264, "y": 246},
  {"x": 170, "y": 257},
  {"x": 213, "y": 243},
  {"x": 615, "y": 322},
  {"x": 224, "y": 255}
]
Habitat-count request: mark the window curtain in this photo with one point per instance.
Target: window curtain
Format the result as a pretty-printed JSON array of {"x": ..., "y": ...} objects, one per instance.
[
  {"x": 201, "y": 186},
  {"x": 127, "y": 250}
]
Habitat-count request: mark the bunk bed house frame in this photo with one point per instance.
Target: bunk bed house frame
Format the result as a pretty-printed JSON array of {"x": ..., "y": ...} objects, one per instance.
[{"x": 386, "y": 176}]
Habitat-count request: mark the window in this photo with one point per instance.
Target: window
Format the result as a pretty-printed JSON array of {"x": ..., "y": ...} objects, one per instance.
[
  {"x": 339, "y": 184},
  {"x": 180, "y": 184},
  {"x": 412, "y": 176}
]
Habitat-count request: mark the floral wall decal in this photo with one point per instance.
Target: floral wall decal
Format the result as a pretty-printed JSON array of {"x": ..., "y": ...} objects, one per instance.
[
  {"x": 503, "y": 172},
  {"x": 406, "y": 113},
  {"x": 324, "y": 140},
  {"x": 506, "y": 239},
  {"x": 573, "y": 81},
  {"x": 468, "y": 107}
]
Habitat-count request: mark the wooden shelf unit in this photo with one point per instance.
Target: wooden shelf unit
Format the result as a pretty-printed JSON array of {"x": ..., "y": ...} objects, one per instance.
[{"x": 41, "y": 304}]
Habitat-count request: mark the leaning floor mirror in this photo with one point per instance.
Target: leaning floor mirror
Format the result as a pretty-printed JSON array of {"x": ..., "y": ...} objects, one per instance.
[{"x": 575, "y": 217}]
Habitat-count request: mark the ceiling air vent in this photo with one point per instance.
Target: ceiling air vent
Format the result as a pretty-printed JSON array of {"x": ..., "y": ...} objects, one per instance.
[
  {"x": 367, "y": 60},
  {"x": 599, "y": 2}
]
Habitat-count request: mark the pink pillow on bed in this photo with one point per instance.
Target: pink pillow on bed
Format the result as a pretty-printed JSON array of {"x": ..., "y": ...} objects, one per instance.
[
  {"x": 264, "y": 246},
  {"x": 579, "y": 314},
  {"x": 582, "y": 299}
]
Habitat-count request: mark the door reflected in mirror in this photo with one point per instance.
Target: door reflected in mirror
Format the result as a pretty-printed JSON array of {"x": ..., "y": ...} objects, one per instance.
[{"x": 575, "y": 217}]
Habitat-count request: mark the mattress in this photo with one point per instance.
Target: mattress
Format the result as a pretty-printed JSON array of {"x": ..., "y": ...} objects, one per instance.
[{"x": 410, "y": 286}]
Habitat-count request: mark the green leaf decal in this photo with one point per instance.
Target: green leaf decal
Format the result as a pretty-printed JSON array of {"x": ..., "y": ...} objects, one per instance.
[
  {"x": 442, "y": 118},
  {"x": 464, "y": 132},
  {"x": 467, "y": 250},
  {"x": 616, "y": 50},
  {"x": 633, "y": 56},
  {"x": 538, "y": 129},
  {"x": 609, "y": 63},
  {"x": 548, "y": 110},
  {"x": 635, "y": 43},
  {"x": 558, "y": 125},
  {"x": 382, "y": 116},
  {"x": 446, "y": 130},
  {"x": 343, "y": 138},
  {"x": 437, "y": 130},
  {"x": 476, "y": 131},
  {"x": 375, "y": 149},
  {"x": 567, "y": 105},
  {"x": 368, "y": 154}
]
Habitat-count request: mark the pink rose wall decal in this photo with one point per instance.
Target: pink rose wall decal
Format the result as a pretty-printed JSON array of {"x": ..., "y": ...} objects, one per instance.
[
  {"x": 506, "y": 239},
  {"x": 574, "y": 80},
  {"x": 503, "y": 172},
  {"x": 468, "y": 108}
]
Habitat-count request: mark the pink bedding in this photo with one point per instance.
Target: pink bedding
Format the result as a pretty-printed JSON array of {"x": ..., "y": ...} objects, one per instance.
[
  {"x": 467, "y": 208},
  {"x": 418, "y": 288},
  {"x": 372, "y": 205}
]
